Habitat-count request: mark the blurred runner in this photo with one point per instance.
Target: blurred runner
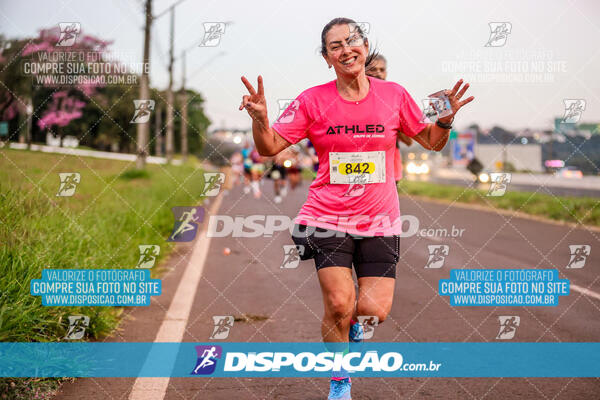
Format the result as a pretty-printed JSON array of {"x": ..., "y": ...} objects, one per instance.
[
  {"x": 378, "y": 69},
  {"x": 313, "y": 155},
  {"x": 292, "y": 164},
  {"x": 237, "y": 167},
  {"x": 247, "y": 163},
  {"x": 278, "y": 175},
  {"x": 257, "y": 169}
]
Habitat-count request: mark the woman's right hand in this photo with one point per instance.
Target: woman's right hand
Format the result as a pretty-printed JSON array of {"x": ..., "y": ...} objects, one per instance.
[
  {"x": 255, "y": 103},
  {"x": 268, "y": 142}
]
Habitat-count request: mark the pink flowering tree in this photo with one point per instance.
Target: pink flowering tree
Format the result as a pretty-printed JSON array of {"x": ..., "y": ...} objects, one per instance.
[
  {"x": 67, "y": 103},
  {"x": 60, "y": 112},
  {"x": 54, "y": 106},
  {"x": 89, "y": 45}
]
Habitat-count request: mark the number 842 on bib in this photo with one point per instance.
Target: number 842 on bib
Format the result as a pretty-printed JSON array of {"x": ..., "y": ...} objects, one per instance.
[{"x": 366, "y": 167}]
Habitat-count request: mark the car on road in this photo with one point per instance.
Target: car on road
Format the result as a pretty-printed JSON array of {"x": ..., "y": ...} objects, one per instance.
[
  {"x": 417, "y": 168},
  {"x": 418, "y": 164},
  {"x": 569, "y": 173},
  {"x": 483, "y": 177}
]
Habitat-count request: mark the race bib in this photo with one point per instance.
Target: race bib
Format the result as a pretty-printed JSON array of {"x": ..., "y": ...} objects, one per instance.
[{"x": 357, "y": 168}]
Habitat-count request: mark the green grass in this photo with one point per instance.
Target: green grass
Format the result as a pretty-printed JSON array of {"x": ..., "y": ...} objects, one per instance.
[
  {"x": 132, "y": 174},
  {"x": 113, "y": 210},
  {"x": 30, "y": 388},
  {"x": 308, "y": 174},
  {"x": 583, "y": 210}
]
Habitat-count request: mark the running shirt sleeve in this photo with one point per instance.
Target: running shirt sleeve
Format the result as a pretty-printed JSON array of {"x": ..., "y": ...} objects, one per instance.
[
  {"x": 410, "y": 115},
  {"x": 294, "y": 123}
]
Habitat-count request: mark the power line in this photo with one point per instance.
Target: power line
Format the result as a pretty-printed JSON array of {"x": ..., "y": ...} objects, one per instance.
[{"x": 157, "y": 16}]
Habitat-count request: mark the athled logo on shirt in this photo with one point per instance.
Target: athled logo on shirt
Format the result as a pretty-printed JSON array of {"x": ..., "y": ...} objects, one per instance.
[{"x": 369, "y": 128}]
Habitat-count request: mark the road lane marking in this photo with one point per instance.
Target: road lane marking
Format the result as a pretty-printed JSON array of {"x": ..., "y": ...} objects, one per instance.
[
  {"x": 176, "y": 318},
  {"x": 585, "y": 291}
]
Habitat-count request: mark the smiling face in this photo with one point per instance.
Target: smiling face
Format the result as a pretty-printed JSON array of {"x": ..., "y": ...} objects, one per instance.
[{"x": 346, "y": 50}]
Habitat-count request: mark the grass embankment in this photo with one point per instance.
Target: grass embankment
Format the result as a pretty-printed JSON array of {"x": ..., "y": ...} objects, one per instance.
[
  {"x": 113, "y": 210},
  {"x": 583, "y": 210}
]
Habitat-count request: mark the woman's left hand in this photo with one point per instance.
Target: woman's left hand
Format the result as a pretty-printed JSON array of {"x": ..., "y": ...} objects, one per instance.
[{"x": 454, "y": 97}]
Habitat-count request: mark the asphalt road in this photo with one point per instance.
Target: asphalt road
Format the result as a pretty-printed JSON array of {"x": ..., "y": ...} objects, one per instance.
[
  {"x": 549, "y": 190},
  {"x": 285, "y": 305}
]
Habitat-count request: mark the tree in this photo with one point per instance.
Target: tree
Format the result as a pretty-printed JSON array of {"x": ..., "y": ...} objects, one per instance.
[
  {"x": 53, "y": 104},
  {"x": 61, "y": 112},
  {"x": 99, "y": 115},
  {"x": 15, "y": 87},
  {"x": 197, "y": 122}
]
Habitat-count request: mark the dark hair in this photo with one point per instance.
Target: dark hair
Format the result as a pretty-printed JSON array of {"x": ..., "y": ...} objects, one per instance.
[
  {"x": 373, "y": 54},
  {"x": 380, "y": 57}
]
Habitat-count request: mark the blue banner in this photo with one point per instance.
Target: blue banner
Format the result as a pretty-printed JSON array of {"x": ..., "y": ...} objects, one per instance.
[
  {"x": 370, "y": 359},
  {"x": 504, "y": 287},
  {"x": 95, "y": 287}
]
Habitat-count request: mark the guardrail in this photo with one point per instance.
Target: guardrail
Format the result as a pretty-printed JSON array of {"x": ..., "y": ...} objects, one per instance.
[{"x": 90, "y": 153}]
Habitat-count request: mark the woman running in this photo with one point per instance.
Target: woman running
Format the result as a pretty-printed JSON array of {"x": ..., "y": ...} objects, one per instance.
[{"x": 352, "y": 122}]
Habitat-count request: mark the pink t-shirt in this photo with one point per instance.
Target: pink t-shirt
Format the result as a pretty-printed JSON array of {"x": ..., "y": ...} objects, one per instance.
[{"x": 334, "y": 124}]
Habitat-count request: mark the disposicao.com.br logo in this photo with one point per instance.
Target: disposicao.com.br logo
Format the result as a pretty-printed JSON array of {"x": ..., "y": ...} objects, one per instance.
[
  {"x": 261, "y": 225},
  {"x": 272, "y": 362}
]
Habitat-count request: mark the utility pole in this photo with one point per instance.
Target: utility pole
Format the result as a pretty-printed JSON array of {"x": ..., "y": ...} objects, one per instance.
[
  {"x": 29, "y": 110},
  {"x": 142, "y": 129},
  {"x": 169, "y": 147},
  {"x": 184, "y": 100},
  {"x": 158, "y": 131},
  {"x": 184, "y": 111},
  {"x": 169, "y": 135}
]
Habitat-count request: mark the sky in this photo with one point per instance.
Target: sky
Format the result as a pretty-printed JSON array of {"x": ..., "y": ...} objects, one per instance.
[{"x": 551, "y": 53}]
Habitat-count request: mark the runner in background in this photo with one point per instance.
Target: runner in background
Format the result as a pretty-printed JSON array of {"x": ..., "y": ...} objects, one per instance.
[
  {"x": 313, "y": 155},
  {"x": 257, "y": 170},
  {"x": 237, "y": 167},
  {"x": 378, "y": 69},
  {"x": 278, "y": 174},
  {"x": 247, "y": 162},
  {"x": 294, "y": 171},
  {"x": 306, "y": 162}
]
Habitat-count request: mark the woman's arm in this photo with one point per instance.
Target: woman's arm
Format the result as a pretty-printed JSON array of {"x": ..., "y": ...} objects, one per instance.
[
  {"x": 404, "y": 139},
  {"x": 433, "y": 137},
  {"x": 268, "y": 142}
]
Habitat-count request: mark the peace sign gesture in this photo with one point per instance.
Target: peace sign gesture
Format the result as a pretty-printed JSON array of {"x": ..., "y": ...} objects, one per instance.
[
  {"x": 255, "y": 103},
  {"x": 454, "y": 97}
]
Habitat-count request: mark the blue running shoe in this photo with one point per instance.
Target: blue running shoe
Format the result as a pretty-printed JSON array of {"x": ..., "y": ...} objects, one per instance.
[
  {"x": 356, "y": 332},
  {"x": 340, "y": 390}
]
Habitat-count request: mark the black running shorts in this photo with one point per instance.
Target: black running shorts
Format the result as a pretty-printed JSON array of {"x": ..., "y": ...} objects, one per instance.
[
  {"x": 281, "y": 169},
  {"x": 371, "y": 256}
]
